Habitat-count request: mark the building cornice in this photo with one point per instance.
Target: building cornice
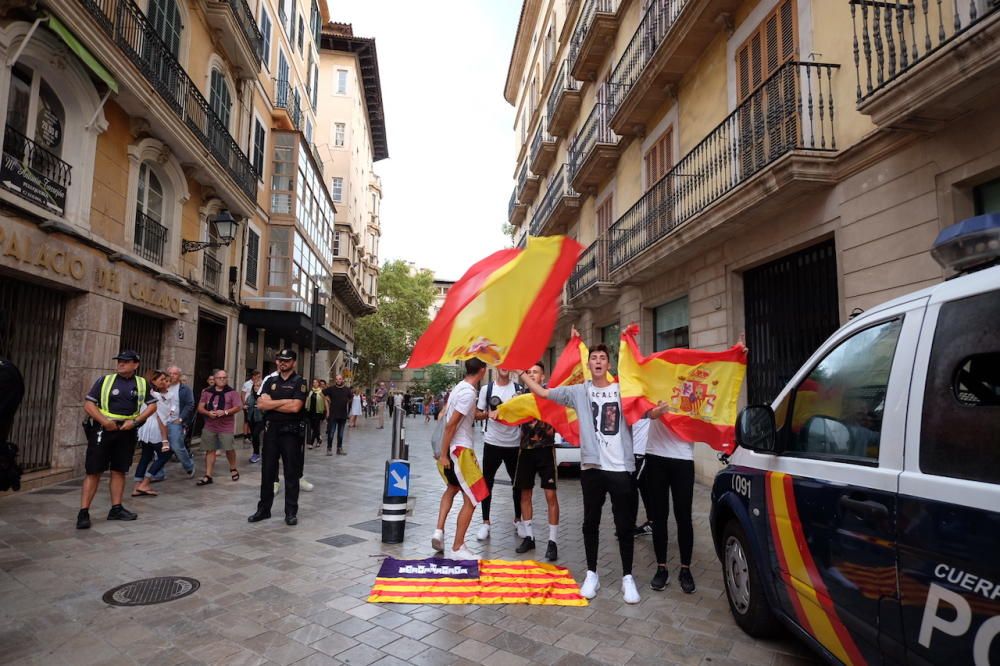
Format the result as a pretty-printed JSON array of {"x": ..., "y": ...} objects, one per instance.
[{"x": 521, "y": 48}]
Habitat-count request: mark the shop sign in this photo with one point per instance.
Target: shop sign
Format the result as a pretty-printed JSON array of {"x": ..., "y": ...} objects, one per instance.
[
  {"x": 17, "y": 176},
  {"x": 43, "y": 257}
]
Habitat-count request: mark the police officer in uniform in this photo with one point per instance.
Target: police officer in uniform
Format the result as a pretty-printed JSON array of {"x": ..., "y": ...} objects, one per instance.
[
  {"x": 118, "y": 404},
  {"x": 282, "y": 398}
]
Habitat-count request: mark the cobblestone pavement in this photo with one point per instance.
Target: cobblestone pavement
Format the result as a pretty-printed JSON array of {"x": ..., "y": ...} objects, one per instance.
[{"x": 276, "y": 594}]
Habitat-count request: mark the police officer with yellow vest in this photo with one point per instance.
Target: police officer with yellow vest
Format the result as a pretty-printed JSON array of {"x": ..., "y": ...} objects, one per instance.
[
  {"x": 117, "y": 405},
  {"x": 282, "y": 398}
]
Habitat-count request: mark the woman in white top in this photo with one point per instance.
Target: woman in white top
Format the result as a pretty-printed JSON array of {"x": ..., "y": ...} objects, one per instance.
[
  {"x": 153, "y": 438},
  {"x": 355, "y": 408}
]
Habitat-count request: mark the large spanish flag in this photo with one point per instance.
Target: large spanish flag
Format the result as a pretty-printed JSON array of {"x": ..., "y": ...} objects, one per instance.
[
  {"x": 700, "y": 387},
  {"x": 571, "y": 368},
  {"x": 503, "y": 309}
]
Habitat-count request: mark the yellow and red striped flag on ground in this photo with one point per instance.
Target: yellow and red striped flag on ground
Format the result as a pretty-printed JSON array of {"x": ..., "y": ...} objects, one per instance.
[
  {"x": 503, "y": 309},
  {"x": 701, "y": 388},
  {"x": 440, "y": 581},
  {"x": 571, "y": 368}
]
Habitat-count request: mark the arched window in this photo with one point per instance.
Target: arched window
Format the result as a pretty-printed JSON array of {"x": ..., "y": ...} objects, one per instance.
[
  {"x": 150, "y": 232},
  {"x": 157, "y": 192},
  {"x": 166, "y": 19}
]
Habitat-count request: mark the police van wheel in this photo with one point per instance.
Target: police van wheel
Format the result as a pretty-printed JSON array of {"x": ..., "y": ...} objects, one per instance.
[{"x": 747, "y": 600}]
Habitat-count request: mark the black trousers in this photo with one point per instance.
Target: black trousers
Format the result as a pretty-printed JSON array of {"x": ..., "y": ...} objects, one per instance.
[
  {"x": 493, "y": 457},
  {"x": 338, "y": 425},
  {"x": 643, "y": 494},
  {"x": 597, "y": 485},
  {"x": 315, "y": 434},
  {"x": 665, "y": 478},
  {"x": 288, "y": 447},
  {"x": 256, "y": 433}
]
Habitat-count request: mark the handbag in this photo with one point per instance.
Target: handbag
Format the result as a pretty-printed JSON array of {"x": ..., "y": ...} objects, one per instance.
[{"x": 438, "y": 435}]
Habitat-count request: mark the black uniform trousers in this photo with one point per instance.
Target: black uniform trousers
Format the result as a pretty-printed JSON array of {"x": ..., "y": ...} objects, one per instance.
[{"x": 288, "y": 447}]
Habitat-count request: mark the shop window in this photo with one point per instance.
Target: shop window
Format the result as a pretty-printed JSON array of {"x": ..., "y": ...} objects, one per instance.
[{"x": 670, "y": 325}]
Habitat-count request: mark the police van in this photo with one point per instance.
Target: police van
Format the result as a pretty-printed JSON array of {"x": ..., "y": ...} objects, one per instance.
[{"x": 861, "y": 508}]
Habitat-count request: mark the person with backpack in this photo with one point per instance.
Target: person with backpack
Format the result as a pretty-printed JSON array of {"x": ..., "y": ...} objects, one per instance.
[
  {"x": 118, "y": 404},
  {"x": 501, "y": 444},
  {"x": 219, "y": 405}
]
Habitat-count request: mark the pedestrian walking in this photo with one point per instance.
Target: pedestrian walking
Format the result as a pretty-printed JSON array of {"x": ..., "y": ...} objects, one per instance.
[
  {"x": 153, "y": 437},
  {"x": 355, "y": 408},
  {"x": 457, "y": 462},
  {"x": 379, "y": 399},
  {"x": 606, "y": 461},
  {"x": 501, "y": 443},
  {"x": 315, "y": 411},
  {"x": 254, "y": 417},
  {"x": 117, "y": 404},
  {"x": 282, "y": 399},
  {"x": 245, "y": 391},
  {"x": 338, "y": 401},
  {"x": 180, "y": 418},
  {"x": 537, "y": 457},
  {"x": 218, "y": 406},
  {"x": 428, "y": 407},
  {"x": 406, "y": 405}
]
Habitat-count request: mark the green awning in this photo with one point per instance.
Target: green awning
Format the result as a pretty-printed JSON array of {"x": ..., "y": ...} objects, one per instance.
[{"x": 82, "y": 53}]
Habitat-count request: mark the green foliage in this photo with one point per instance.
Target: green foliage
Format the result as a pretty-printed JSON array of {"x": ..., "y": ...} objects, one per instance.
[
  {"x": 386, "y": 338},
  {"x": 440, "y": 378}
]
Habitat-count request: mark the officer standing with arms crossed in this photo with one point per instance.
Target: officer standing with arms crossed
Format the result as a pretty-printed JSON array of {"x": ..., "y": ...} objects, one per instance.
[{"x": 282, "y": 398}]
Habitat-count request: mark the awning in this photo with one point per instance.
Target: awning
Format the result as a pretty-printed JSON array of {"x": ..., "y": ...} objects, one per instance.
[
  {"x": 85, "y": 56},
  {"x": 293, "y": 326}
]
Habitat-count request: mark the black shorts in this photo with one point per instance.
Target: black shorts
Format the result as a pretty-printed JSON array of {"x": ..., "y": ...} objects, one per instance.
[
  {"x": 540, "y": 461},
  {"x": 449, "y": 475},
  {"x": 114, "y": 451}
]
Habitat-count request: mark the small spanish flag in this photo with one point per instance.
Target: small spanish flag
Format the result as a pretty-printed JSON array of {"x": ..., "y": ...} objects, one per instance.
[
  {"x": 503, "y": 309},
  {"x": 440, "y": 581},
  {"x": 571, "y": 368},
  {"x": 701, "y": 388}
]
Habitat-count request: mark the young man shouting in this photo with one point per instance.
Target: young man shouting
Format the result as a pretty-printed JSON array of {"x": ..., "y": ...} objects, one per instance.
[{"x": 606, "y": 464}]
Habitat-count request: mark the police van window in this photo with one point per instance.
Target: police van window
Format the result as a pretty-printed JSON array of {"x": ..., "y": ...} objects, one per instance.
[
  {"x": 960, "y": 423},
  {"x": 837, "y": 410}
]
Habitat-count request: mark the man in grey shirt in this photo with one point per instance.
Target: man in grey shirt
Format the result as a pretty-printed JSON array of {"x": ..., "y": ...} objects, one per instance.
[{"x": 606, "y": 464}]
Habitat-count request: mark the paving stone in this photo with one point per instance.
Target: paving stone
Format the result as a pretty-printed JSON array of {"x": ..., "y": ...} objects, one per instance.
[
  {"x": 377, "y": 637},
  {"x": 333, "y": 644},
  {"x": 442, "y": 638},
  {"x": 473, "y": 649},
  {"x": 404, "y": 647},
  {"x": 309, "y": 633},
  {"x": 360, "y": 654},
  {"x": 416, "y": 629}
]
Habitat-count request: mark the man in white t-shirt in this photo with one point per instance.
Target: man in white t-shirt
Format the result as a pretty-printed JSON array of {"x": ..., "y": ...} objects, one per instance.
[
  {"x": 501, "y": 444},
  {"x": 457, "y": 461},
  {"x": 606, "y": 464}
]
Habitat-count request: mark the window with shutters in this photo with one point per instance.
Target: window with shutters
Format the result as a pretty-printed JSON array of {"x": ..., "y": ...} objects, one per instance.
[
  {"x": 773, "y": 43},
  {"x": 658, "y": 158},
  {"x": 604, "y": 215},
  {"x": 253, "y": 257}
]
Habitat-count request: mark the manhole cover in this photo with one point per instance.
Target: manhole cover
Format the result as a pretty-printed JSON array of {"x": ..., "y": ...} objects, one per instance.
[
  {"x": 150, "y": 591},
  {"x": 341, "y": 540}
]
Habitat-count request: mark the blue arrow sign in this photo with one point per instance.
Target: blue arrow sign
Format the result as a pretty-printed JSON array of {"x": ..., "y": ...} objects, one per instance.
[{"x": 399, "y": 479}]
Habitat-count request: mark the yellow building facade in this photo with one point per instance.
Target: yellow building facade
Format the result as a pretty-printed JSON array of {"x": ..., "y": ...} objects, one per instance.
[{"x": 767, "y": 166}]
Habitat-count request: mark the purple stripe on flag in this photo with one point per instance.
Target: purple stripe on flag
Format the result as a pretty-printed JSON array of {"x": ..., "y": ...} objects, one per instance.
[{"x": 430, "y": 569}]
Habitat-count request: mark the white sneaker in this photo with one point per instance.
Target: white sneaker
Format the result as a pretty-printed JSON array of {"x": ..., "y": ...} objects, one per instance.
[
  {"x": 277, "y": 485},
  {"x": 591, "y": 584},
  {"x": 305, "y": 485},
  {"x": 519, "y": 526},
  {"x": 629, "y": 591},
  {"x": 484, "y": 532},
  {"x": 462, "y": 553},
  {"x": 437, "y": 542}
]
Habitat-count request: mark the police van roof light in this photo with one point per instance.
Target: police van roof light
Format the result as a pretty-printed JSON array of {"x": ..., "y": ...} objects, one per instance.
[{"x": 969, "y": 244}]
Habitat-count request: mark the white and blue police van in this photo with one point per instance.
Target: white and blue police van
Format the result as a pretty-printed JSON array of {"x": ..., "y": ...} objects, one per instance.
[{"x": 861, "y": 509}]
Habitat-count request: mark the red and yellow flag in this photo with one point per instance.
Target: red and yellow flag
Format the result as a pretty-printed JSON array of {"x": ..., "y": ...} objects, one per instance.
[
  {"x": 571, "y": 368},
  {"x": 503, "y": 309},
  {"x": 701, "y": 388}
]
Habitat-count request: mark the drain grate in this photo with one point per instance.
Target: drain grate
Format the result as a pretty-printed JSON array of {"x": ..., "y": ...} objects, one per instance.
[
  {"x": 341, "y": 540},
  {"x": 150, "y": 591}
]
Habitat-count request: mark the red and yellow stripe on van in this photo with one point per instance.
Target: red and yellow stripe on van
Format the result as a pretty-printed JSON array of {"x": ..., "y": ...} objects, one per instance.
[{"x": 810, "y": 598}]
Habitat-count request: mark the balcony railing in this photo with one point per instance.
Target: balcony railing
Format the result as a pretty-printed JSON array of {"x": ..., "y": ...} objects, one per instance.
[
  {"x": 511, "y": 205},
  {"x": 248, "y": 25},
  {"x": 564, "y": 81},
  {"x": 591, "y": 268},
  {"x": 653, "y": 27},
  {"x": 585, "y": 22},
  {"x": 211, "y": 272},
  {"x": 595, "y": 131},
  {"x": 543, "y": 148},
  {"x": 36, "y": 174},
  {"x": 559, "y": 187},
  {"x": 150, "y": 238},
  {"x": 124, "y": 22},
  {"x": 285, "y": 98},
  {"x": 897, "y": 36},
  {"x": 792, "y": 110}
]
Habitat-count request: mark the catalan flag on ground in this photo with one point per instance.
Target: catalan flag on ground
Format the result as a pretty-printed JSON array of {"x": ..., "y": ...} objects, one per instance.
[
  {"x": 440, "y": 581},
  {"x": 503, "y": 309},
  {"x": 571, "y": 368},
  {"x": 701, "y": 388}
]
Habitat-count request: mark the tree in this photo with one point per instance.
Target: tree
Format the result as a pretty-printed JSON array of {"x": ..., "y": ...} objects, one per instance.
[
  {"x": 385, "y": 339},
  {"x": 440, "y": 378}
]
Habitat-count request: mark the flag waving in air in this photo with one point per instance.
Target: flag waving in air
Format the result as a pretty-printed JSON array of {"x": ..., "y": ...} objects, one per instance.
[
  {"x": 503, "y": 309},
  {"x": 700, "y": 388},
  {"x": 571, "y": 368}
]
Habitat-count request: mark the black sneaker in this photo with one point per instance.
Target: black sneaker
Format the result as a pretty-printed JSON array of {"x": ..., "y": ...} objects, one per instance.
[
  {"x": 259, "y": 516},
  {"x": 642, "y": 530},
  {"x": 661, "y": 579},
  {"x": 552, "y": 552},
  {"x": 687, "y": 580},
  {"x": 121, "y": 513},
  {"x": 83, "y": 520},
  {"x": 526, "y": 545},
  {"x": 291, "y": 520}
]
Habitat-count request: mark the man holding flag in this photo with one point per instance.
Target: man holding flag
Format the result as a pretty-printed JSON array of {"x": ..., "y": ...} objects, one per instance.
[{"x": 606, "y": 462}]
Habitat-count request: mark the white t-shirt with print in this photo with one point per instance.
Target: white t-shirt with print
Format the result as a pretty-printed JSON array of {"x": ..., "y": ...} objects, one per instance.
[
  {"x": 499, "y": 434},
  {"x": 463, "y": 401},
  {"x": 606, "y": 410}
]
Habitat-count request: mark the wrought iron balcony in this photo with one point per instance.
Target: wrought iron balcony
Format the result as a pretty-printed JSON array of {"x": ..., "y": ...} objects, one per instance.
[
  {"x": 237, "y": 29},
  {"x": 594, "y": 152},
  {"x": 211, "y": 273},
  {"x": 670, "y": 37},
  {"x": 591, "y": 271},
  {"x": 593, "y": 37},
  {"x": 150, "y": 238},
  {"x": 124, "y": 22},
  {"x": 286, "y": 100},
  {"x": 527, "y": 185},
  {"x": 792, "y": 110},
  {"x": 543, "y": 149},
  {"x": 33, "y": 173},
  {"x": 558, "y": 206},
  {"x": 895, "y": 44},
  {"x": 515, "y": 209},
  {"x": 564, "y": 101}
]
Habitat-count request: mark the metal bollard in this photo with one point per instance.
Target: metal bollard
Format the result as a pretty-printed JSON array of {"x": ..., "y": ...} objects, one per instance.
[{"x": 396, "y": 489}]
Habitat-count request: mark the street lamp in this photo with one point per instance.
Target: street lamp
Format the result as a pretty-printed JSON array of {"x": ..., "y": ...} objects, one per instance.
[{"x": 225, "y": 228}]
